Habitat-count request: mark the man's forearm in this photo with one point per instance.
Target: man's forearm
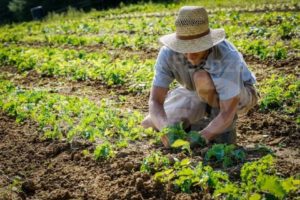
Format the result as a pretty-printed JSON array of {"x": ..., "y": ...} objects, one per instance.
[
  {"x": 158, "y": 115},
  {"x": 217, "y": 125}
]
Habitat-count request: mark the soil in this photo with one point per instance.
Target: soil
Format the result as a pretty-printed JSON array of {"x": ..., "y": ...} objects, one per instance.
[
  {"x": 46, "y": 169},
  {"x": 34, "y": 168}
]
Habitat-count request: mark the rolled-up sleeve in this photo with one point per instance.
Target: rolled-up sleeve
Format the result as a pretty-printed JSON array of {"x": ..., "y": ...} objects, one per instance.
[{"x": 163, "y": 75}]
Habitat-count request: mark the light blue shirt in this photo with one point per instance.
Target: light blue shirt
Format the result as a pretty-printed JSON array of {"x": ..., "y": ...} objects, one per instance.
[{"x": 225, "y": 65}]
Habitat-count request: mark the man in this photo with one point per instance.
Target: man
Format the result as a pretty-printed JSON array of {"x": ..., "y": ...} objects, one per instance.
[{"x": 213, "y": 76}]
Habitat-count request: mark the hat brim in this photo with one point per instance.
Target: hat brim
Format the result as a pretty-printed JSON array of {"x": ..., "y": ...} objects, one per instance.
[{"x": 214, "y": 37}]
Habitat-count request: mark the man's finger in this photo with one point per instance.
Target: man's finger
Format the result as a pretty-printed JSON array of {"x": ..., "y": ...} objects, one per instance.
[{"x": 164, "y": 139}]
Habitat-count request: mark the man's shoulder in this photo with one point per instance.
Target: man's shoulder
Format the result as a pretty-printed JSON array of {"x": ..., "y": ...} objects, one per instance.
[
  {"x": 169, "y": 56},
  {"x": 224, "y": 50},
  {"x": 166, "y": 51}
]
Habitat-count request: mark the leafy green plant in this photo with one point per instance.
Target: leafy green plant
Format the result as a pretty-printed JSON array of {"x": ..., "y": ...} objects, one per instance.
[
  {"x": 185, "y": 145},
  {"x": 195, "y": 138},
  {"x": 263, "y": 149},
  {"x": 280, "y": 91},
  {"x": 225, "y": 154},
  {"x": 104, "y": 151},
  {"x": 286, "y": 30},
  {"x": 174, "y": 132},
  {"x": 258, "y": 181},
  {"x": 16, "y": 184},
  {"x": 257, "y": 31},
  {"x": 185, "y": 177},
  {"x": 154, "y": 162},
  {"x": 80, "y": 65},
  {"x": 179, "y": 138}
]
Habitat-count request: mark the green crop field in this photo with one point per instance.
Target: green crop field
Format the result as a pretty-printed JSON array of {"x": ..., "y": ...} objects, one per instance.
[{"x": 74, "y": 88}]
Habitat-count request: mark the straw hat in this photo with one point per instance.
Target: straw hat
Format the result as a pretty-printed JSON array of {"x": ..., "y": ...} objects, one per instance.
[{"x": 192, "y": 32}]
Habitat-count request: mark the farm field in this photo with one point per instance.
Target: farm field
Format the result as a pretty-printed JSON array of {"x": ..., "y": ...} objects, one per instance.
[{"x": 74, "y": 89}]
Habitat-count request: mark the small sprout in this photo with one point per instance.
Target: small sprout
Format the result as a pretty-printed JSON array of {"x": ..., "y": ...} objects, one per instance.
[
  {"x": 154, "y": 162},
  {"x": 104, "y": 151},
  {"x": 85, "y": 152}
]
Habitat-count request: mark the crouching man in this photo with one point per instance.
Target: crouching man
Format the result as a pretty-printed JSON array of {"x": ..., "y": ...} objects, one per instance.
[{"x": 212, "y": 74}]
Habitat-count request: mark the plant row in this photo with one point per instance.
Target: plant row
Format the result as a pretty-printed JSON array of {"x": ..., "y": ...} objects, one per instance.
[
  {"x": 132, "y": 72},
  {"x": 74, "y": 118},
  {"x": 151, "y": 25},
  {"x": 150, "y": 9},
  {"x": 281, "y": 92},
  {"x": 258, "y": 180},
  {"x": 277, "y": 92},
  {"x": 253, "y": 9},
  {"x": 272, "y": 35},
  {"x": 260, "y": 48}
]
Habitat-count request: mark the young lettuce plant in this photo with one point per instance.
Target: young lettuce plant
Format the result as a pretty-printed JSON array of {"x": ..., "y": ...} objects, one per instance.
[
  {"x": 186, "y": 177},
  {"x": 259, "y": 181},
  {"x": 179, "y": 138},
  {"x": 154, "y": 162},
  {"x": 225, "y": 154},
  {"x": 104, "y": 151}
]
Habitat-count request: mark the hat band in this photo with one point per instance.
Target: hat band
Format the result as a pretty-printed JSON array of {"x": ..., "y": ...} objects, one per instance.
[{"x": 191, "y": 37}]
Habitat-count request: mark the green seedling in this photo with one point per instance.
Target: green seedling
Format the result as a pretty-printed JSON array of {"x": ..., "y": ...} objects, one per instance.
[
  {"x": 280, "y": 92},
  {"x": 259, "y": 181},
  {"x": 154, "y": 162},
  {"x": 85, "y": 152},
  {"x": 186, "y": 177},
  {"x": 104, "y": 151},
  {"x": 179, "y": 138},
  {"x": 185, "y": 145},
  {"x": 174, "y": 132},
  {"x": 263, "y": 149},
  {"x": 227, "y": 155},
  {"x": 196, "y": 139}
]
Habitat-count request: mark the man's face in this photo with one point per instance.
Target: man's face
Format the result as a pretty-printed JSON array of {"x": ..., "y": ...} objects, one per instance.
[{"x": 196, "y": 58}]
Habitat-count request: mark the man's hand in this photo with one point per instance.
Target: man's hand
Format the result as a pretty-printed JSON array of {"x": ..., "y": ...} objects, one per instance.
[
  {"x": 172, "y": 133},
  {"x": 176, "y": 131},
  {"x": 196, "y": 139}
]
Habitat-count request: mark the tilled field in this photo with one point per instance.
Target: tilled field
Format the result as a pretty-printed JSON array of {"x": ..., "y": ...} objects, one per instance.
[
  {"x": 49, "y": 169},
  {"x": 35, "y": 167}
]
